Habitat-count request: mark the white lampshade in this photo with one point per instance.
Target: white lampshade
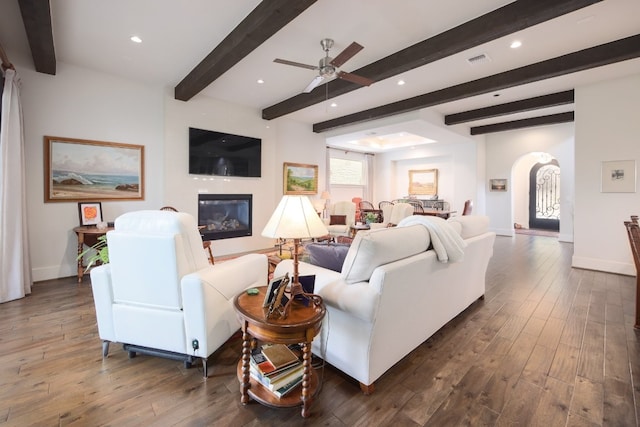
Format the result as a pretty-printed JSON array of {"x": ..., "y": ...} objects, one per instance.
[{"x": 295, "y": 218}]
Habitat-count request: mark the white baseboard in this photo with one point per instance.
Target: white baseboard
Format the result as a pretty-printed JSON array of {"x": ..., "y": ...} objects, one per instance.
[
  {"x": 504, "y": 232},
  {"x": 567, "y": 238},
  {"x": 603, "y": 265},
  {"x": 55, "y": 272}
]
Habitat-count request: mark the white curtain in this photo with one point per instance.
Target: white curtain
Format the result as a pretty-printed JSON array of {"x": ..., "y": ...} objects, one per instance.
[{"x": 15, "y": 266}]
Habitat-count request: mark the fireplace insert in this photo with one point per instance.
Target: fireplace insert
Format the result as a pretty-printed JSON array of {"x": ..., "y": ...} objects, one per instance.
[{"x": 223, "y": 216}]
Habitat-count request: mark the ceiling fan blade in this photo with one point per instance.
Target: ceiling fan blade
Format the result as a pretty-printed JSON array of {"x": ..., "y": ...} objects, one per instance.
[
  {"x": 314, "y": 83},
  {"x": 295, "y": 64},
  {"x": 346, "y": 54},
  {"x": 354, "y": 78}
]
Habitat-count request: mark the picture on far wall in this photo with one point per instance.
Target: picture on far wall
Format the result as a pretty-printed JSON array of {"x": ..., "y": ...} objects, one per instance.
[
  {"x": 499, "y": 184},
  {"x": 90, "y": 213},
  {"x": 300, "y": 178},
  {"x": 618, "y": 176},
  {"x": 79, "y": 170},
  {"x": 423, "y": 182}
]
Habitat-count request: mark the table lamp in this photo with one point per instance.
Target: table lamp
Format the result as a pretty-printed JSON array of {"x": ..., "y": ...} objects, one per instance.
[{"x": 295, "y": 218}]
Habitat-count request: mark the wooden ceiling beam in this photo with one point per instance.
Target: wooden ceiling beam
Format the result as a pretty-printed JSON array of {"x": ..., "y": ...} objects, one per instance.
[
  {"x": 263, "y": 22},
  {"x": 544, "y": 101},
  {"x": 36, "y": 16},
  {"x": 551, "y": 119},
  {"x": 506, "y": 20},
  {"x": 604, "y": 54}
]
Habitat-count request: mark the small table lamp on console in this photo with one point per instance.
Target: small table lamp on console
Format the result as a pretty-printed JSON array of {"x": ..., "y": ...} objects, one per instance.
[{"x": 295, "y": 218}]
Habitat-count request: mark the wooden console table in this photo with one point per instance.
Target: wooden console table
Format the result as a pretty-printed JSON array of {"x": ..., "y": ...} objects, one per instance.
[
  {"x": 87, "y": 235},
  {"x": 300, "y": 327}
]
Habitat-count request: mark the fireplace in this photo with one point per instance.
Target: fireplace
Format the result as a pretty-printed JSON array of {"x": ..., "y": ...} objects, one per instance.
[{"x": 223, "y": 216}]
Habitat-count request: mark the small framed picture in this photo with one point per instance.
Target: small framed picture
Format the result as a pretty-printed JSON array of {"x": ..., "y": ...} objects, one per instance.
[
  {"x": 272, "y": 290},
  {"x": 90, "y": 213},
  {"x": 498, "y": 184},
  {"x": 618, "y": 176}
]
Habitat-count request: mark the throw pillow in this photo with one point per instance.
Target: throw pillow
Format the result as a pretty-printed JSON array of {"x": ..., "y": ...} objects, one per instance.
[
  {"x": 337, "y": 220},
  {"x": 326, "y": 256},
  {"x": 371, "y": 249}
]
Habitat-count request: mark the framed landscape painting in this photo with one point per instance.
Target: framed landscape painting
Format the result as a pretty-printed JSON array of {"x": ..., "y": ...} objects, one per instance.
[
  {"x": 423, "y": 182},
  {"x": 81, "y": 170},
  {"x": 300, "y": 179}
]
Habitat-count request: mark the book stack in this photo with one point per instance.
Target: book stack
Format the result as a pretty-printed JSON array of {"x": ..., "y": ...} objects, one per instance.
[{"x": 277, "y": 368}]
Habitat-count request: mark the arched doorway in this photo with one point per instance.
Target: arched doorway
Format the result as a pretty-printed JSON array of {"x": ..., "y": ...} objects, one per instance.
[{"x": 544, "y": 196}]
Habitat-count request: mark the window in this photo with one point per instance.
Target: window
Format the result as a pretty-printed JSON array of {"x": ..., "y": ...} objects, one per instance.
[
  {"x": 346, "y": 172},
  {"x": 349, "y": 174}
]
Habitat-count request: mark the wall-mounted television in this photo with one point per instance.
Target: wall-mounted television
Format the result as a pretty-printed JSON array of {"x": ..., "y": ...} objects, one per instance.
[{"x": 224, "y": 154}]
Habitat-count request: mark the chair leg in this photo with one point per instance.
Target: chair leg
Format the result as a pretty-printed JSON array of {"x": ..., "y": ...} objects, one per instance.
[{"x": 204, "y": 367}]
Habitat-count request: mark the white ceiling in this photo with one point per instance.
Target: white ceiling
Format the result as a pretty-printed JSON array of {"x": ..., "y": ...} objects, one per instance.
[{"x": 177, "y": 35}]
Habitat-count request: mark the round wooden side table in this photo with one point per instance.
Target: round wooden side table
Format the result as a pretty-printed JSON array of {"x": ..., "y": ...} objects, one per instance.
[{"x": 299, "y": 327}]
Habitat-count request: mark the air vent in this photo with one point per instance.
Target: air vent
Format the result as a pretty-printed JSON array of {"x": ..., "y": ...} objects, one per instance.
[{"x": 479, "y": 59}]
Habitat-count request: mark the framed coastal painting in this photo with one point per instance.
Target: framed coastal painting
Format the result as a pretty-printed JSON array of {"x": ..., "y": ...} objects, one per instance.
[
  {"x": 300, "y": 178},
  {"x": 618, "y": 176},
  {"x": 77, "y": 170},
  {"x": 423, "y": 182}
]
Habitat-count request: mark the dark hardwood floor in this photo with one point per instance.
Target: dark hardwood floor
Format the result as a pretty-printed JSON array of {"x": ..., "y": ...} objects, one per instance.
[{"x": 549, "y": 345}]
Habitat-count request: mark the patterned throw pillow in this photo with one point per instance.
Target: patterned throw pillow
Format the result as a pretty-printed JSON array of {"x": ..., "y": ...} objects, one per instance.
[{"x": 338, "y": 220}]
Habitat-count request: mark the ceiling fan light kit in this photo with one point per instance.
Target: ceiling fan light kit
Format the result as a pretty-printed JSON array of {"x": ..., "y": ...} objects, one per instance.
[{"x": 328, "y": 67}]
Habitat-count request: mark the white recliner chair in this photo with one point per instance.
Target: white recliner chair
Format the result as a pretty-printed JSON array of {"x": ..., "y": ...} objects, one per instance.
[
  {"x": 159, "y": 295},
  {"x": 392, "y": 214},
  {"x": 339, "y": 209}
]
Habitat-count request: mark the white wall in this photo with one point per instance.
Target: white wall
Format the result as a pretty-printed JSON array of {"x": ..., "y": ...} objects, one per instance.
[
  {"x": 282, "y": 141},
  {"x": 81, "y": 103},
  {"x": 607, "y": 128},
  {"x": 458, "y": 172},
  {"x": 78, "y": 103},
  {"x": 505, "y": 149}
]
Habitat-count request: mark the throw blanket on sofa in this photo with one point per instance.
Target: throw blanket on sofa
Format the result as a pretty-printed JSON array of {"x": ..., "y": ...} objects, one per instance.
[{"x": 447, "y": 243}]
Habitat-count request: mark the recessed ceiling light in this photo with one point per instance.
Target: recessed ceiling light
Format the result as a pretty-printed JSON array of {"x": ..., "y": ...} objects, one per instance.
[
  {"x": 400, "y": 82},
  {"x": 260, "y": 81},
  {"x": 333, "y": 104},
  {"x": 516, "y": 44},
  {"x": 496, "y": 94},
  {"x": 136, "y": 39}
]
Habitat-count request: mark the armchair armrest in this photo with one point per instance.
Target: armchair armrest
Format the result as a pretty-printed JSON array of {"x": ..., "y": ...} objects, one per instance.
[
  {"x": 207, "y": 299},
  {"x": 103, "y": 300}
]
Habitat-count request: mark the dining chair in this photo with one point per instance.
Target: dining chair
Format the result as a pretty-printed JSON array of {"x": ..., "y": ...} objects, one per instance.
[{"x": 468, "y": 207}]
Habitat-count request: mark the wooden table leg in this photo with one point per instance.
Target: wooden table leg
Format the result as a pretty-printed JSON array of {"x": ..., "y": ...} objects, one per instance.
[
  {"x": 246, "y": 354},
  {"x": 306, "y": 376},
  {"x": 80, "y": 248}
]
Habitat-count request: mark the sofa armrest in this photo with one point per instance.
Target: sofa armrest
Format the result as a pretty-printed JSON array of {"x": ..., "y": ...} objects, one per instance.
[
  {"x": 358, "y": 299},
  {"x": 103, "y": 300}
]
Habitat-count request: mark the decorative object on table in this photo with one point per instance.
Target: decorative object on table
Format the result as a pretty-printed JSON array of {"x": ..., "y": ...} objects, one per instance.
[
  {"x": 424, "y": 182},
  {"x": 300, "y": 179},
  {"x": 79, "y": 169},
  {"x": 499, "y": 184},
  {"x": 370, "y": 217},
  {"x": 326, "y": 196},
  {"x": 295, "y": 218},
  {"x": 618, "y": 176},
  {"x": 276, "y": 288},
  {"x": 90, "y": 213}
]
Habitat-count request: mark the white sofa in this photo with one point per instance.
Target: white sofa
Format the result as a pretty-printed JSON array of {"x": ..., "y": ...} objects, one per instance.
[
  {"x": 392, "y": 293},
  {"x": 159, "y": 295}
]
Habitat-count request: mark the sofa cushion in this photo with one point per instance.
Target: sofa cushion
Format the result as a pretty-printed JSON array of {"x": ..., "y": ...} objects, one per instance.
[
  {"x": 373, "y": 248},
  {"x": 470, "y": 225},
  {"x": 330, "y": 256}
]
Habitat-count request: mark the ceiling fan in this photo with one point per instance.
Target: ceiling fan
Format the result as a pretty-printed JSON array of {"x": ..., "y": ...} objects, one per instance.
[{"x": 328, "y": 67}]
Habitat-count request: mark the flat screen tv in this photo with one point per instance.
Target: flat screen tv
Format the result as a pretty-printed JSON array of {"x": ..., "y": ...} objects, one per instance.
[{"x": 224, "y": 154}]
